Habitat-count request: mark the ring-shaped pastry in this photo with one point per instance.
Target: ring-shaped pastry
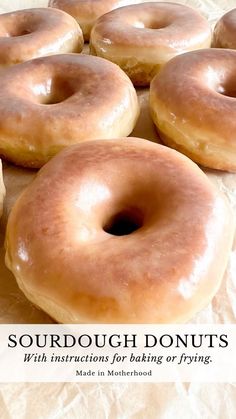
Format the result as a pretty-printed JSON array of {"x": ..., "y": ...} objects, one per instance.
[
  {"x": 224, "y": 35},
  {"x": 142, "y": 38},
  {"x": 86, "y": 12},
  {"x": 112, "y": 232},
  {"x": 31, "y": 33},
  {"x": 193, "y": 104},
  {"x": 50, "y": 103}
]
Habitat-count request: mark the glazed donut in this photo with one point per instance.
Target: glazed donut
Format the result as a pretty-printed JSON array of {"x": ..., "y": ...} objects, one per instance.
[
  {"x": 86, "y": 12},
  {"x": 194, "y": 108},
  {"x": 49, "y": 103},
  {"x": 31, "y": 33},
  {"x": 224, "y": 35},
  {"x": 112, "y": 232},
  {"x": 142, "y": 38}
]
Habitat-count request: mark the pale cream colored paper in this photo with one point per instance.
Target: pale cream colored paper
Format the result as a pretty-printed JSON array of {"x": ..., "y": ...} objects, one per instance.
[{"x": 111, "y": 401}]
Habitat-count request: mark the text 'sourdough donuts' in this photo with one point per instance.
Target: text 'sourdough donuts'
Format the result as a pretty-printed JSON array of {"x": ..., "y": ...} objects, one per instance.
[
  {"x": 31, "y": 33},
  {"x": 224, "y": 35},
  {"x": 112, "y": 232},
  {"x": 52, "y": 102},
  {"x": 193, "y": 104},
  {"x": 142, "y": 38}
]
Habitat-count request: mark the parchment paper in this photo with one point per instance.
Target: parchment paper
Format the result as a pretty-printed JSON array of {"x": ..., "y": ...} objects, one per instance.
[{"x": 121, "y": 401}]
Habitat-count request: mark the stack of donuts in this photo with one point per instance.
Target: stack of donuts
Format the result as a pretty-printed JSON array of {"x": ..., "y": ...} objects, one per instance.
[{"x": 116, "y": 228}]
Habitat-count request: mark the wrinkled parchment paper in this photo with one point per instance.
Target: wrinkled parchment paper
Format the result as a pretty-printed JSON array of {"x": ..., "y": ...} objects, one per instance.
[{"x": 116, "y": 401}]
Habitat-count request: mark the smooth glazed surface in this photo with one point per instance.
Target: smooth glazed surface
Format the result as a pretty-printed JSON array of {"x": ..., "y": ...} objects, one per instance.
[
  {"x": 31, "y": 33},
  {"x": 64, "y": 249},
  {"x": 142, "y": 38},
  {"x": 49, "y": 103},
  {"x": 224, "y": 35},
  {"x": 86, "y": 12},
  {"x": 193, "y": 104}
]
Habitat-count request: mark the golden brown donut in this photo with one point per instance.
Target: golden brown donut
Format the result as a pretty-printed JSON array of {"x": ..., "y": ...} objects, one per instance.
[
  {"x": 142, "y": 38},
  {"x": 112, "y": 232},
  {"x": 86, "y": 12},
  {"x": 52, "y": 102},
  {"x": 224, "y": 35},
  {"x": 31, "y": 33},
  {"x": 194, "y": 108}
]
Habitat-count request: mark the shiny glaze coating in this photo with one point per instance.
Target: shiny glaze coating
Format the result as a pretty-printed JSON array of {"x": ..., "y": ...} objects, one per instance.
[
  {"x": 66, "y": 261},
  {"x": 32, "y": 33},
  {"x": 193, "y": 104},
  {"x": 142, "y": 38},
  {"x": 224, "y": 35},
  {"x": 49, "y": 103},
  {"x": 86, "y": 12}
]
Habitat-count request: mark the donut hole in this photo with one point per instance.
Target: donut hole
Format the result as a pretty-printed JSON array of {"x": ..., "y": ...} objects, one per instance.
[
  {"x": 149, "y": 25},
  {"x": 55, "y": 97},
  {"x": 20, "y": 32},
  {"x": 228, "y": 89},
  {"x": 16, "y": 33},
  {"x": 52, "y": 91},
  {"x": 124, "y": 222},
  {"x": 222, "y": 82}
]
